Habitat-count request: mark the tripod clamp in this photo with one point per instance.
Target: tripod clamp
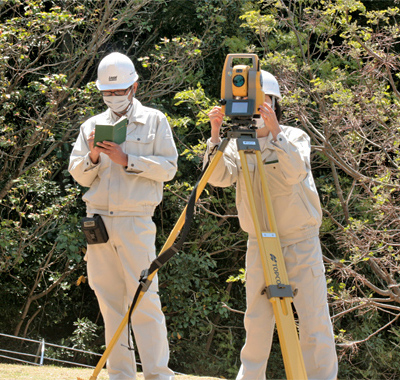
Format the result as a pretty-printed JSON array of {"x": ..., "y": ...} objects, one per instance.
[
  {"x": 279, "y": 291},
  {"x": 144, "y": 281}
]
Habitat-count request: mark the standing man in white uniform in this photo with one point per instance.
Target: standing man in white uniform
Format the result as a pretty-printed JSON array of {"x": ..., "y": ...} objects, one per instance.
[
  {"x": 285, "y": 153},
  {"x": 125, "y": 185}
]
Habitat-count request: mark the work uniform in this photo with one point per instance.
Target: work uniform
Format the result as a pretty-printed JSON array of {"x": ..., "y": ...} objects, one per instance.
[
  {"x": 126, "y": 197},
  {"x": 298, "y": 217}
]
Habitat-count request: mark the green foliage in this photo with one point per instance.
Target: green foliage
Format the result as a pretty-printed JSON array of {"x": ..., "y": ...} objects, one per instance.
[
  {"x": 239, "y": 277},
  {"x": 84, "y": 337}
]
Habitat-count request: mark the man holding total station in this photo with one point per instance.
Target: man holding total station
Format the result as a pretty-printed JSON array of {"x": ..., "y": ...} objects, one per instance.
[
  {"x": 125, "y": 184},
  {"x": 285, "y": 152}
]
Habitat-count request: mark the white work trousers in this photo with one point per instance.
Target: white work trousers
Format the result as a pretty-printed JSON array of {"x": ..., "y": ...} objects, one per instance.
[
  {"x": 305, "y": 270},
  {"x": 114, "y": 269}
]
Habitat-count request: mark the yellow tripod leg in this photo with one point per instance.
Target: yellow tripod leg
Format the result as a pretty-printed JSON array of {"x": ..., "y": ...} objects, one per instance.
[
  {"x": 174, "y": 233},
  {"x": 278, "y": 287}
]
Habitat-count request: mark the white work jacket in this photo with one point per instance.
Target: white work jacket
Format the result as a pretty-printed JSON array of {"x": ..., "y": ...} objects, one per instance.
[
  {"x": 294, "y": 197},
  {"x": 134, "y": 190}
]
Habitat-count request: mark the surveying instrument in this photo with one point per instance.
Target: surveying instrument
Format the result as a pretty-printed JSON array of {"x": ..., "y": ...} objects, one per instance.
[{"x": 241, "y": 95}]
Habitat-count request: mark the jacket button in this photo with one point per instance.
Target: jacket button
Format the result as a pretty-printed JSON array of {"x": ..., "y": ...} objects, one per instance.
[{"x": 111, "y": 212}]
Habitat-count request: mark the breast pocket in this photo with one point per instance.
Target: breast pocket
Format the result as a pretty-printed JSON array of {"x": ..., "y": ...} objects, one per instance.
[
  {"x": 140, "y": 143},
  {"x": 290, "y": 209},
  {"x": 277, "y": 184}
]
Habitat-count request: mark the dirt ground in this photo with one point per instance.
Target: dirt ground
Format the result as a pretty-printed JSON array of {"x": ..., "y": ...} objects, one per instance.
[{"x": 48, "y": 372}]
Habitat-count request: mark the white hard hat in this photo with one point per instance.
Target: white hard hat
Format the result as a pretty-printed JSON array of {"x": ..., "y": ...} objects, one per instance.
[
  {"x": 116, "y": 71},
  {"x": 270, "y": 85}
]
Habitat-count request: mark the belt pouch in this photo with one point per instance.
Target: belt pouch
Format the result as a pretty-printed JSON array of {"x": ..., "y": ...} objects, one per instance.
[{"x": 94, "y": 229}]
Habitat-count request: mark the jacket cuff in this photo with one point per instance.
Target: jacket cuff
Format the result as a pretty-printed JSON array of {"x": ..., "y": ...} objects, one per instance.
[
  {"x": 281, "y": 142},
  {"x": 88, "y": 164},
  {"x": 211, "y": 144},
  {"x": 133, "y": 165}
]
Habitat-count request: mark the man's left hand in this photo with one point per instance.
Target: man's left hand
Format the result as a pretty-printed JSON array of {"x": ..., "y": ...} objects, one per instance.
[
  {"x": 270, "y": 120},
  {"x": 114, "y": 151}
]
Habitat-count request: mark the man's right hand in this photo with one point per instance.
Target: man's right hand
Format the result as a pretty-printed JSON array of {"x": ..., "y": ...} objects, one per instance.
[
  {"x": 94, "y": 151},
  {"x": 216, "y": 117}
]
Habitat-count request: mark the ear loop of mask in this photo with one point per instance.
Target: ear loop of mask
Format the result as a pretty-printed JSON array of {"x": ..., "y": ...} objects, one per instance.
[
  {"x": 273, "y": 102},
  {"x": 131, "y": 102}
]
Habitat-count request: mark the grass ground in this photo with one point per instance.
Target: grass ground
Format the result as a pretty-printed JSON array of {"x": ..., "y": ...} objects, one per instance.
[{"x": 47, "y": 372}]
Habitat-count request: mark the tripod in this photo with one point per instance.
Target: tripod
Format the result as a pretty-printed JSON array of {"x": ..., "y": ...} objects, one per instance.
[{"x": 277, "y": 288}]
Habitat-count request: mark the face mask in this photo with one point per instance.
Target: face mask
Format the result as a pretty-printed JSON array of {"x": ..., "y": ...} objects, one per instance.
[
  {"x": 259, "y": 123},
  {"x": 118, "y": 104},
  {"x": 273, "y": 102}
]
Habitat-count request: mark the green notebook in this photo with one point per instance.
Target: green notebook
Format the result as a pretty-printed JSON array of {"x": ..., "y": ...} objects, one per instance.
[{"x": 114, "y": 132}]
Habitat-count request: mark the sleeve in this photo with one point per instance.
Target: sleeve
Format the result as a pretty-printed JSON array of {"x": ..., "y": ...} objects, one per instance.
[
  {"x": 162, "y": 165},
  {"x": 293, "y": 151},
  {"x": 82, "y": 169},
  {"x": 225, "y": 172}
]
